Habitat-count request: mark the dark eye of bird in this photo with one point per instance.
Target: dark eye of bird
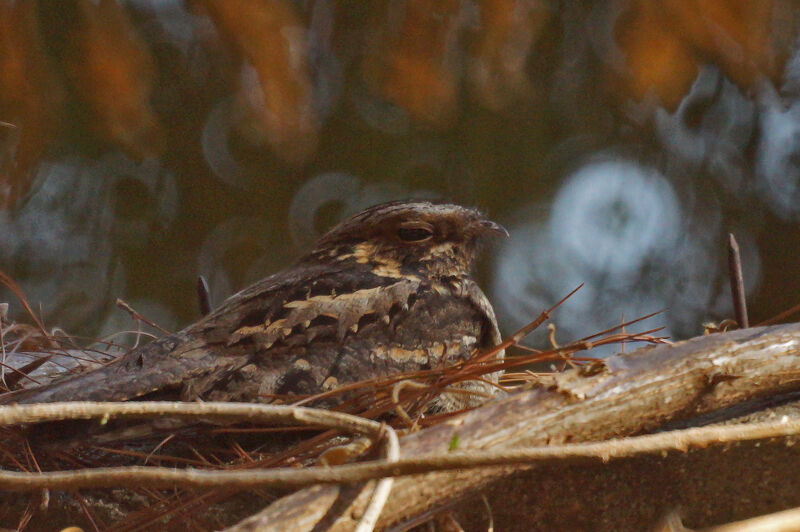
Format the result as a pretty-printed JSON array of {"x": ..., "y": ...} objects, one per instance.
[{"x": 414, "y": 234}]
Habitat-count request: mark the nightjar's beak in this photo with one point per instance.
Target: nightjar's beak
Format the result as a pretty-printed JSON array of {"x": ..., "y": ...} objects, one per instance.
[{"x": 488, "y": 227}]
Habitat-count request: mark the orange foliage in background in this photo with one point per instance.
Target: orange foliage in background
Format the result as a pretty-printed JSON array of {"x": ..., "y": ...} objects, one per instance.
[
  {"x": 112, "y": 71},
  {"x": 31, "y": 95},
  {"x": 508, "y": 33},
  {"x": 279, "y": 98},
  {"x": 666, "y": 40},
  {"x": 415, "y": 65},
  {"x": 417, "y": 55}
]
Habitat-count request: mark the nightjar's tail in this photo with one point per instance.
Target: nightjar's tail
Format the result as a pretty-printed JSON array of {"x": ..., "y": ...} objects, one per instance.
[{"x": 166, "y": 363}]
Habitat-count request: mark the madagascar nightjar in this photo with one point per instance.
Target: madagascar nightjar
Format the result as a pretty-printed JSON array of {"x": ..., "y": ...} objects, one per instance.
[{"x": 387, "y": 290}]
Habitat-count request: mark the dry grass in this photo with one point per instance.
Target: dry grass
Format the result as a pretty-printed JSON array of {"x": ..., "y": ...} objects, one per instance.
[{"x": 32, "y": 355}]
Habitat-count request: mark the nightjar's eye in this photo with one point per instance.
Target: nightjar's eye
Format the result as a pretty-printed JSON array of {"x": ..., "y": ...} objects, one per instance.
[{"x": 415, "y": 231}]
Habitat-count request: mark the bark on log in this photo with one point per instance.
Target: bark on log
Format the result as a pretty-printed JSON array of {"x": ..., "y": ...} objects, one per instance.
[{"x": 693, "y": 382}]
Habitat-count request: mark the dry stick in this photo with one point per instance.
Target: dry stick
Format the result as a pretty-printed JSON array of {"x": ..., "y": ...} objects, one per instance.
[
  {"x": 384, "y": 486},
  {"x": 488, "y": 506},
  {"x": 471, "y": 369},
  {"x": 573, "y": 347},
  {"x": 785, "y": 521},
  {"x": 636, "y": 393},
  {"x": 155, "y": 477},
  {"x": 463, "y": 367},
  {"x": 737, "y": 282},
  {"x": 138, "y": 317},
  {"x": 14, "y": 287},
  {"x": 398, "y": 408},
  {"x": 284, "y": 414},
  {"x": 621, "y": 326},
  {"x": 203, "y": 295},
  {"x": 781, "y": 316},
  {"x": 21, "y": 373},
  {"x": 526, "y": 330},
  {"x": 290, "y": 415}
]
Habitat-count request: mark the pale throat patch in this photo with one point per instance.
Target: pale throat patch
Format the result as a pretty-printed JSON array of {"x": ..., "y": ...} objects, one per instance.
[{"x": 445, "y": 249}]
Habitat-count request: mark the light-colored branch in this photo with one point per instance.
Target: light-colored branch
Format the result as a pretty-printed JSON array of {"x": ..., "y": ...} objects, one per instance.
[
  {"x": 256, "y": 413},
  {"x": 146, "y": 476},
  {"x": 383, "y": 488},
  {"x": 160, "y": 477},
  {"x": 632, "y": 394},
  {"x": 786, "y": 521}
]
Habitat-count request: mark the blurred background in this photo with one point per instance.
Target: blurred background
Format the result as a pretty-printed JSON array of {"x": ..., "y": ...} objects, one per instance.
[{"x": 146, "y": 142}]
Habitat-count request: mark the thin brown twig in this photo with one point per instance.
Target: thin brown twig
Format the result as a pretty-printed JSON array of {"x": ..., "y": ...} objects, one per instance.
[
  {"x": 478, "y": 368},
  {"x": 157, "y": 447},
  {"x": 27, "y": 515},
  {"x": 32, "y": 456},
  {"x": 14, "y": 461},
  {"x": 526, "y": 330},
  {"x": 20, "y": 373},
  {"x": 398, "y": 407},
  {"x": 529, "y": 349},
  {"x": 580, "y": 345},
  {"x": 138, "y": 317},
  {"x": 464, "y": 370},
  {"x": 154, "y": 458},
  {"x": 737, "y": 282},
  {"x": 148, "y": 521},
  {"x": 284, "y": 414},
  {"x": 490, "y": 528},
  {"x": 785, "y": 314},
  {"x": 85, "y": 509},
  {"x": 622, "y": 325},
  {"x": 17, "y": 291}
]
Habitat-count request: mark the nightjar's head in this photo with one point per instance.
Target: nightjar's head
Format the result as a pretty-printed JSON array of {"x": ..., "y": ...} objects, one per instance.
[{"x": 435, "y": 239}]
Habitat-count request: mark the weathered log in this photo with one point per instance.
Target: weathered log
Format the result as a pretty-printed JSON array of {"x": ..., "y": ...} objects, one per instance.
[{"x": 694, "y": 382}]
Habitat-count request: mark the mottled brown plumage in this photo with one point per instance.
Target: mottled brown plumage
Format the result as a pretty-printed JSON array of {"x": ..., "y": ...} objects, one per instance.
[{"x": 386, "y": 291}]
